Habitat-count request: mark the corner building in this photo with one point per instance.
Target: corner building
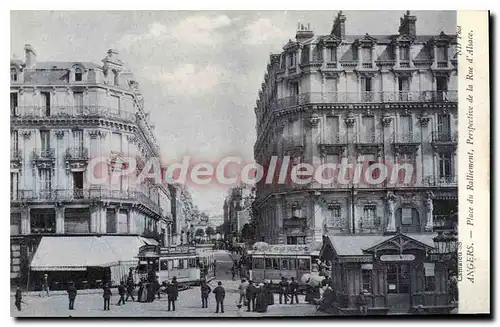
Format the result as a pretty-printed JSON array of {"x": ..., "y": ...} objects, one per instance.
[
  {"x": 369, "y": 99},
  {"x": 62, "y": 115}
]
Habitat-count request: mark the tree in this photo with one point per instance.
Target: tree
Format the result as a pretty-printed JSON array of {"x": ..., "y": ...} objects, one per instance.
[
  {"x": 210, "y": 231},
  {"x": 200, "y": 233}
]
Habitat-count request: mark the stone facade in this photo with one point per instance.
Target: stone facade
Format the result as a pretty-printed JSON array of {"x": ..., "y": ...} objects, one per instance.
[
  {"x": 367, "y": 99},
  {"x": 63, "y": 114}
]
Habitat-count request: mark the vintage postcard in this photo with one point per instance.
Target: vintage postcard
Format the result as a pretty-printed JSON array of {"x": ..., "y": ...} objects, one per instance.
[{"x": 249, "y": 163}]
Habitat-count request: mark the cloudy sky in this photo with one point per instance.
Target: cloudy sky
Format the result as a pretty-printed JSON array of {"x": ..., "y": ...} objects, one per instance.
[{"x": 200, "y": 72}]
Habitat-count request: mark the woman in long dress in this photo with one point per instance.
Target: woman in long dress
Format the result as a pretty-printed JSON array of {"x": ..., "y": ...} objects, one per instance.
[
  {"x": 145, "y": 292},
  {"x": 262, "y": 299}
]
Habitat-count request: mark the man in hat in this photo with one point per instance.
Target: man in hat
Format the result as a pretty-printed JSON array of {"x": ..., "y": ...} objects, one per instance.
[
  {"x": 220, "y": 294},
  {"x": 130, "y": 288},
  {"x": 106, "y": 295},
  {"x": 362, "y": 302},
  {"x": 171, "y": 296},
  {"x": 19, "y": 298},
  {"x": 71, "y": 295},
  {"x": 283, "y": 290},
  {"x": 251, "y": 293},
  {"x": 205, "y": 292},
  {"x": 121, "y": 291},
  {"x": 45, "y": 285},
  {"x": 293, "y": 289}
]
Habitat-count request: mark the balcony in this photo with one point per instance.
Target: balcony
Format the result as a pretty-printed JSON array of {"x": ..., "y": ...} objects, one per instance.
[
  {"x": 44, "y": 154},
  {"x": 76, "y": 158},
  {"x": 404, "y": 64},
  {"x": 365, "y": 97},
  {"x": 369, "y": 138},
  {"x": 444, "y": 141},
  {"x": 331, "y": 65},
  {"x": 85, "y": 194},
  {"x": 369, "y": 224},
  {"x": 440, "y": 181},
  {"x": 406, "y": 138},
  {"x": 367, "y": 65},
  {"x": 32, "y": 112},
  {"x": 442, "y": 64},
  {"x": 292, "y": 142},
  {"x": 332, "y": 144},
  {"x": 444, "y": 222}
]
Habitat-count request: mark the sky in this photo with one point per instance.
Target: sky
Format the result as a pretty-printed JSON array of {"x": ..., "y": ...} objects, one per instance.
[{"x": 199, "y": 71}]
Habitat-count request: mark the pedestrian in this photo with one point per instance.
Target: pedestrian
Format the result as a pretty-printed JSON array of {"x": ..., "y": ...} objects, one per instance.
[
  {"x": 171, "y": 296},
  {"x": 106, "y": 295},
  {"x": 176, "y": 287},
  {"x": 45, "y": 285},
  {"x": 293, "y": 290},
  {"x": 283, "y": 285},
  {"x": 130, "y": 288},
  {"x": 151, "y": 291},
  {"x": 205, "y": 292},
  {"x": 121, "y": 291},
  {"x": 220, "y": 294},
  {"x": 158, "y": 287},
  {"x": 19, "y": 298},
  {"x": 242, "y": 290},
  {"x": 262, "y": 299},
  {"x": 270, "y": 293},
  {"x": 72, "y": 295},
  {"x": 251, "y": 293},
  {"x": 233, "y": 272},
  {"x": 141, "y": 289},
  {"x": 215, "y": 267},
  {"x": 145, "y": 288},
  {"x": 362, "y": 303}
]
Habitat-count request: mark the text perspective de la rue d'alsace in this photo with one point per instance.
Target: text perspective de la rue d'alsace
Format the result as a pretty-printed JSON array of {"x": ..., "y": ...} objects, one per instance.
[{"x": 466, "y": 254}]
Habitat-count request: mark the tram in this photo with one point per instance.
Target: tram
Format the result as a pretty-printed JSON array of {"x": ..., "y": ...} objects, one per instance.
[{"x": 183, "y": 262}]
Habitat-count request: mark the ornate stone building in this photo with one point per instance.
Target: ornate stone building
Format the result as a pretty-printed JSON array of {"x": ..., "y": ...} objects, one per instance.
[
  {"x": 368, "y": 99},
  {"x": 63, "y": 114}
]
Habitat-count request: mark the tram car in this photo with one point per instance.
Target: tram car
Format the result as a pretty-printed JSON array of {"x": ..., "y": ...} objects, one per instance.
[
  {"x": 182, "y": 262},
  {"x": 269, "y": 263}
]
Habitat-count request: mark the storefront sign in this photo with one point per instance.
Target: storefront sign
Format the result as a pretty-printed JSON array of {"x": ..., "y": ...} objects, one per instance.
[{"x": 397, "y": 257}]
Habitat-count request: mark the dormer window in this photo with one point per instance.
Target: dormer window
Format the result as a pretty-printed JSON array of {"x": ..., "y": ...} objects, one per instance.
[
  {"x": 332, "y": 54},
  {"x": 116, "y": 79},
  {"x": 291, "y": 59},
  {"x": 404, "y": 53},
  {"x": 13, "y": 75},
  {"x": 78, "y": 75}
]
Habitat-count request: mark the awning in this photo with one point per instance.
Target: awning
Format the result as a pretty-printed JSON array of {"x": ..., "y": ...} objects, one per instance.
[{"x": 79, "y": 252}]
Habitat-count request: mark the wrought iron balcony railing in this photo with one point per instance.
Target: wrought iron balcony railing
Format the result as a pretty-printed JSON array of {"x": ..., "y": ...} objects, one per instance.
[
  {"x": 444, "y": 137},
  {"x": 370, "y": 223},
  {"x": 409, "y": 137},
  {"x": 333, "y": 139},
  {"x": 292, "y": 141},
  {"x": 368, "y": 138},
  {"x": 367, "y": 65},
  {"x": 442, "y": 64},
  {"x": 44, "y": 154},
  {"x": 75, "y": 111},
  {"x": 404, "y": 63},
  {"x": 450, "y": 180},
  {"x": 77, "y": 153},
  {"x": 331, "y": 65},
  {"x": 365, "y": 97},
  {"x": 444, "y": 222}
]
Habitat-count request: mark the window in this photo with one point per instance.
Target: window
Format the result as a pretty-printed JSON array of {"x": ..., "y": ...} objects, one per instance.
[
  {"x": 176, "y": 263},
  {"x": 272, "y": 263},
  {"x": 78, "y": 184},
  {"x": 45, "y": 103},
  {"x": 332, "y": 128},
  {"x": 78, "y": 142},
  {"x": 110, "y": 221},
  {"x": 304, "y": 264},
  {"x": 406, "y": 216},
  {"x": 332, "y": 54},
  {"x": 13, "y": 104},
  {"x": 115, "y": 103},
  {"x": 14, "y": 185},
  {"x": 441, "y": 84},
  {"x": 78, "y": 74},
  {"x": 369, "y": 216},
  {"x": 443, "y": 126},
  {"x": 366, "y": 280},
  {"x": 182, "y": 263},
  {"x": 430, "y": 279},
  {"x": 294, "y": 88},
  {"x": 406, "y": 127},
  {"x": 191, "y": 263},
  {"x": 78, "y": 99},
  {"x": 76, "y": 221},
  {"x": 292, "y": 59},
  {"x": 122, "y": 221},
  {"x": 445, "y": 167},
  {"x": 116, "y": 78},
  {"x": 258, "y": 263},
  {"x": 45, "y": 141},
  {"x": 404, "y": 84},
  {"x": 45, "y": 179},
  {"x": 367, "y": 55},
  {"x": 404, "y": 53},
  {"x": 116, "y": 142},
  {"x": 398, "y": 278},
  {"x": 442, "y": 54},
  {"x": 43, "y": 221},
  {"x": 14, "y": 141},
  {"x": 15, "y": 223},
  {"x": 367, "y": 84},
  {"x": 163, "y": 264},
  {"x": 13, "y": 75}
]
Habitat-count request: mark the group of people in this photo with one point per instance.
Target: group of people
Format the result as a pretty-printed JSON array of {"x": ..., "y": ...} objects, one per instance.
[
  {"x": 256, "y": 298},
  {"x": 288, "y": 290},
  {"x": 220, "y": 294}
]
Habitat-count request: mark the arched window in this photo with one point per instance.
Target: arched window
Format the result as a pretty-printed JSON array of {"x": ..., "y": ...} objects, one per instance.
[
  {"x": 78, "y": 74},
  {"x": 13, "y": 74},
  {"x": 116, "y": 81}
]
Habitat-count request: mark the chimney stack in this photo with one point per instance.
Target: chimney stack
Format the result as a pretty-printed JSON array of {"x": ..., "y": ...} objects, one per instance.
[
  {"x": 338, "y": 28},
  {"x": 408, "y": 25},
  {"x": 30, "y": 56},
  {"x": 303, "y": 32}
]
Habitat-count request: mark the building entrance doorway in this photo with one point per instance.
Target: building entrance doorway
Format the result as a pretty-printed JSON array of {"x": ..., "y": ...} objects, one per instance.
[{"x": 398, "y": 287}]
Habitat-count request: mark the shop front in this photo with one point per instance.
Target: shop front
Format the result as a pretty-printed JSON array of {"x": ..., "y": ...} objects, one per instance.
[{"x": 396, "y": 273}]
